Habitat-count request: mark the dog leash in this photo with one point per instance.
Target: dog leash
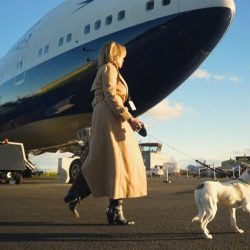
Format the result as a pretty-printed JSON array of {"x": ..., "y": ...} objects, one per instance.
[
  {"x": 203, "y": 164},
  {"x": 243, "y": 181},
  {"x": 175, "y": 149},
  {"x": 214, "y": 169}
]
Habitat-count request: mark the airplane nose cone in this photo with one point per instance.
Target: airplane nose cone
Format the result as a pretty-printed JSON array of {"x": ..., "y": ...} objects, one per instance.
[
  {"x": 181, "y": 45},
  {"x": 231, "y": 4},
  {"x": 190, "y": 5}
]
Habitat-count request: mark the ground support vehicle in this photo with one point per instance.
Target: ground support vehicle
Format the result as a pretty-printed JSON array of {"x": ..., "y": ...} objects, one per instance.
[{"x": 13, "y": 162}]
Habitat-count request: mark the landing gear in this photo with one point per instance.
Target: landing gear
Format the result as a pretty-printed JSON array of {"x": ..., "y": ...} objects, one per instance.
[
  {"x": 76, "y": 165},
  {"x": 74, "y": 170}
]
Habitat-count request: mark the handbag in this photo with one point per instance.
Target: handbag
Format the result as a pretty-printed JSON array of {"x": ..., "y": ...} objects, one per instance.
[{"x": 142, "y": 131}]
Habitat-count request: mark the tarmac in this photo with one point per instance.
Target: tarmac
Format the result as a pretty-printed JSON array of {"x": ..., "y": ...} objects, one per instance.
[{"x": 34, "y": 216}]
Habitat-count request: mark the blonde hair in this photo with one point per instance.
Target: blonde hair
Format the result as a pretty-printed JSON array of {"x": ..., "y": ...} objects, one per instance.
[{"x": 110, "y": 52}]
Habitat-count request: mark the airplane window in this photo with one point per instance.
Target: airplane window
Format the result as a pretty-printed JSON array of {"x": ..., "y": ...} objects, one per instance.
[
  {"x": 40, "y": 52},
  {"x": 121, "y": 15},
  {"x": 109, "y": 20},
  {"x": 69, "y": 37},
  {"x": 87, "y": 29},
  {"x": 150, "y": 5},
  {"x": 166, "y": 2},
  {"x": 19, "y": 65},
  {"x": 97, "y": 25},
  {"x": 60, "y": 42},
  {"x": 46, "y": 49}
]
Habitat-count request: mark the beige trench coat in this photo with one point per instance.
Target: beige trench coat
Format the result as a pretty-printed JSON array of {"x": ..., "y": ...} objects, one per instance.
[{"x": 114, "y": 166}]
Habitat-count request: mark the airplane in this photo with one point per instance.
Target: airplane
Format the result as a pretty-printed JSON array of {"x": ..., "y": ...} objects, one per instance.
[{"x": 45, "y": 78}]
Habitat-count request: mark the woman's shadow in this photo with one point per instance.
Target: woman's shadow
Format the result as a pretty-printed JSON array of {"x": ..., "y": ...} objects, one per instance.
[{"x": 64, "y": 237}]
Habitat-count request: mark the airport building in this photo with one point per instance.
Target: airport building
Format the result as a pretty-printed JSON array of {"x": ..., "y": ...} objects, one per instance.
[
  {"x": 152, "y": 155},
  {"x": 243, "y": 161}
]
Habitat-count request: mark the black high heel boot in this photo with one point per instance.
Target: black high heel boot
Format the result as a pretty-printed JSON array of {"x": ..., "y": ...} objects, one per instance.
[
  {"x": 78, "y": 191},
  {"x": 77, "y": 195},
  {"x": 115, "y": 214},
  {"x": 73, "y": 207}
]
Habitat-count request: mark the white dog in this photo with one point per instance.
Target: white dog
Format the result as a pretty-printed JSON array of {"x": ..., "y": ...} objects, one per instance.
[{"x": 234, "y": 194}]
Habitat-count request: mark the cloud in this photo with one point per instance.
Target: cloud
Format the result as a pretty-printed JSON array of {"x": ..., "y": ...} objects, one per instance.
[
  {"x": 245, "y": 151},
  {"x": 234, "y": 78},
  {"x": 219, "y": 77},
  {"x": 203, "y": 74},
  {"x": 165, "y": 110},
  {"x": 237, "y": 152}
]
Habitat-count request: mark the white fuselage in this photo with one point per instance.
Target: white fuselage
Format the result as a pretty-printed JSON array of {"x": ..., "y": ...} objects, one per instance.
[
  {"x": 56, "y": 59},
  {"x": 66, "y": 19}
]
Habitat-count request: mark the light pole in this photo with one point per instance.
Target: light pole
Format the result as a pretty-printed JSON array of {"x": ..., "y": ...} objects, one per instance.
[
  {"x": 167, "y": 180},
  {"x": 214, "y": 172}
]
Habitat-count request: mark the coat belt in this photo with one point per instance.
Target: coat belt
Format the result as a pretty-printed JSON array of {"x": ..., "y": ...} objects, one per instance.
[{"x": 97, "y": 100}]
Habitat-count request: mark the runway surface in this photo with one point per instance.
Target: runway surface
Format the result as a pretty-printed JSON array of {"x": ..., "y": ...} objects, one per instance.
[{"x": 33, "y": 216}]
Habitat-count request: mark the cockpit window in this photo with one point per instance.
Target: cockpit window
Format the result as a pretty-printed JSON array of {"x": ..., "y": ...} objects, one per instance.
[
  {"x": 166, "y": 2},
  {"x": 150, "y": 5},
  {"x": 121, "y": 15}
]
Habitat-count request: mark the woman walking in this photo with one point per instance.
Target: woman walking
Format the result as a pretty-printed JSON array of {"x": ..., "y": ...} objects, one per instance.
[{"x": 114, "y": 166}]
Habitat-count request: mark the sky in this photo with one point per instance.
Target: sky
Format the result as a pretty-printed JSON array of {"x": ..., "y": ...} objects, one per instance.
[{"x": 206, "y": 118}]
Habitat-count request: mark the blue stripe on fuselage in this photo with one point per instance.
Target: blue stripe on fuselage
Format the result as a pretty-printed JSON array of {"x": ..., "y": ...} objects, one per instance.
[{"x": 43, "y": 75}]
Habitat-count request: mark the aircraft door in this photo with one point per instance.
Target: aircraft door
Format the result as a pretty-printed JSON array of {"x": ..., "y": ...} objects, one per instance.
[
  {"x": 20, "y": 68},
  {"x": 78, "y": 35},
  {"x": 21, "y": 61}
]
